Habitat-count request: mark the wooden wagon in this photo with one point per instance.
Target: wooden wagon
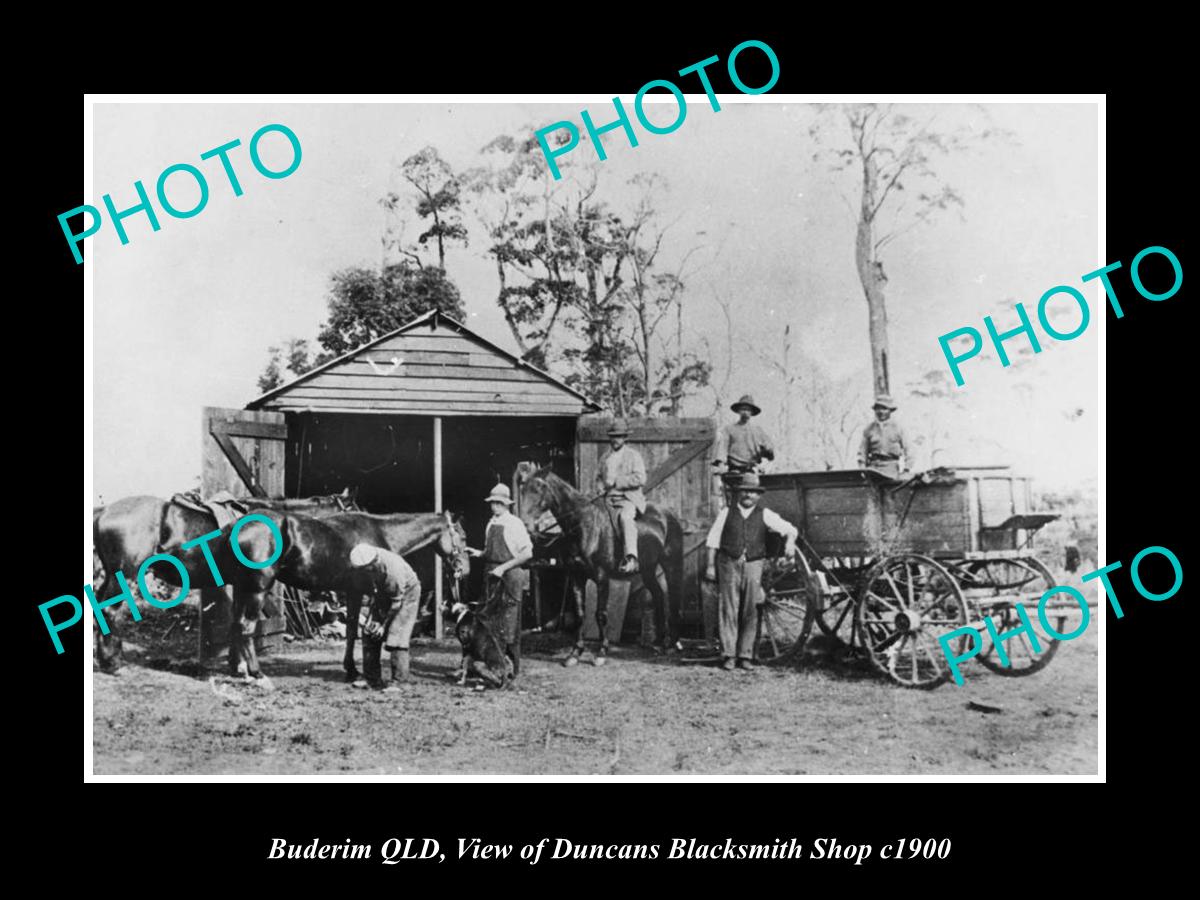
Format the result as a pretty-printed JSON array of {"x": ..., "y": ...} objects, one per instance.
[{"x": 889, "y": 566}]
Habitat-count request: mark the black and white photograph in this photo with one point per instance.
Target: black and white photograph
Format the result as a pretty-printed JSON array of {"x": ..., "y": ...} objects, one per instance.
[{"x": 486, "y": 437}]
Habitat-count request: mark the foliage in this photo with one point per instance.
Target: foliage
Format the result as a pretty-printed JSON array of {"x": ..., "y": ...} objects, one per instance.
[
  {"x": 438, "y": 201},
  {"x": 581, "y": 285},
  {"x": 364, "y": 305}
]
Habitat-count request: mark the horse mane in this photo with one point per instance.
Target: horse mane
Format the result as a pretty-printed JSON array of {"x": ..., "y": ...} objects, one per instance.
[{"x": 572, "y": 505}]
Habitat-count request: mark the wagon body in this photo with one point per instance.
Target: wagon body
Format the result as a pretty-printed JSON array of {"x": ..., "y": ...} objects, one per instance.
[{"x": 961, "y": 513}]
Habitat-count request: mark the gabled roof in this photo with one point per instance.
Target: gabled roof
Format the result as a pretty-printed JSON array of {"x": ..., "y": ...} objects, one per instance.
[{"x": 293, "y": 393}]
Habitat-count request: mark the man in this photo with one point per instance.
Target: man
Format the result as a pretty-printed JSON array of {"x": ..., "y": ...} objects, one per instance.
[
  {"x": 621, "y": 477},
  {"x": 883, "y": 444},
  {"x": 737, "y": 545},
  {"x": 742, "y": 447},
  {"x": 391, "y": 613},
  {"x": 507, "y": 547}
]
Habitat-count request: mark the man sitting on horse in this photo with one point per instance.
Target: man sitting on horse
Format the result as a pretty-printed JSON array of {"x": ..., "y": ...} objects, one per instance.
[
  {"x": 391, "y": 613},
  {"x": 621, "y": 477}
]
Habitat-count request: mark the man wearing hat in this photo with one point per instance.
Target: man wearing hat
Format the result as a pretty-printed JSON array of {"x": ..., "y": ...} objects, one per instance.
[
  {"x": 621, "y": 477},
  {"x": 883, "y": 444},
  {"x": 742, "y": 446},
  {"x": 507, "y": 547},
  {"x": 737, "y": 545},
  {"x": 391, "y": 613}
]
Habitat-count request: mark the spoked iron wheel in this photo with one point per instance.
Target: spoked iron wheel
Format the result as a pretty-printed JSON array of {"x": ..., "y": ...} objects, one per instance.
[
  {"x": 906, "y": 602},
  {"x": 992, "y": 586},
  {"x": 785, "y": 618}
]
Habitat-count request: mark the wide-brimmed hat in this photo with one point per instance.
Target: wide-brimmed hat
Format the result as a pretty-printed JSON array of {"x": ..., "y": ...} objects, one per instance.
[
  {"x": 747, "y": 401},
  {"x": 363, "y": 554},
  {"x": 749, "y": 482},
  {"x": 618, "y": 429},
  {"x": 886, "y": 401},
  {"x": 501, "y": 494}
]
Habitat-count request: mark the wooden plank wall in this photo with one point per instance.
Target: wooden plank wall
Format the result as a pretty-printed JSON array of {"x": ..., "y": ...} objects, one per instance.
[
  {"x": 266, "y": 459},
  {"x": 265, "y": 456},
  {"x": 430, "y": 371},
  {"x": 688, "y": 492}
]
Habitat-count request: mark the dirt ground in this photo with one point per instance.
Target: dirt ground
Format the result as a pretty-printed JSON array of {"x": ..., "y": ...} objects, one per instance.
[{"x": 639, "y": 715}]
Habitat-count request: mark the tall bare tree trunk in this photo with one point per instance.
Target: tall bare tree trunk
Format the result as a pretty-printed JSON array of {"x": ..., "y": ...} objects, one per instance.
[{"x": 871, "y": 276}]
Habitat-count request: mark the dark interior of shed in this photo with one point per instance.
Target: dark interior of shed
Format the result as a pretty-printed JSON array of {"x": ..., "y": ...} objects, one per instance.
[{"x": 388, "y": 460}]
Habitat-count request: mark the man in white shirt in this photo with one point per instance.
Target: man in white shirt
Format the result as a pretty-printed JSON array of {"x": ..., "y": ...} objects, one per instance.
[
  {"x": 737, "y": 545},
  {"x": 507, "y": 547}
]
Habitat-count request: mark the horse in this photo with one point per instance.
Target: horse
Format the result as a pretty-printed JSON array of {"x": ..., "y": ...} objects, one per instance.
[
  {"x": 129, "y": 531},
  {"x": 316, "y": 557},
  {"x": 590, "y": 539}
]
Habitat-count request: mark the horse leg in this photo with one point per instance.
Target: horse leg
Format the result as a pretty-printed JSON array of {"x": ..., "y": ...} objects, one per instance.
[
  {"x": 108, "y": 646},
  {"x": 577, "y": 591},
  {"x": 252, "y": 605},
  {"x": 601, "y": 656},
  {"x": 237, "y": 666},
  {"x": 662, "y": 631},
  {"x": 353, "y": 608}
]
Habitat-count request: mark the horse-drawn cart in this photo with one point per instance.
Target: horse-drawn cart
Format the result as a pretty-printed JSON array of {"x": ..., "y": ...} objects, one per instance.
[{"x": 888, "y": 567}]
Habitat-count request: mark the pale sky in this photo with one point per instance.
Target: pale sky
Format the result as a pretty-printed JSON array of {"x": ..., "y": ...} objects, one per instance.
[{"x": 184, "y": 316}]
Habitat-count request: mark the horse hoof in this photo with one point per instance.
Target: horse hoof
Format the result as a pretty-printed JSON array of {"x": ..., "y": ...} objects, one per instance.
[
  {"x": 242, "y": 669},
  {"x": 264, "y": 683},
  {"x": 599, "y": 660},
  {"x": 352, "y": 677},
  {"x": 571, "y": 661}
]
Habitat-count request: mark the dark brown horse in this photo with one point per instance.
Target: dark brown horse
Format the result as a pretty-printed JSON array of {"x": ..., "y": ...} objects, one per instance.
[
  {"x": 316, "y": 557},
  {"x": 589, "y": 541},
  {"x": 129, "y": 531}
]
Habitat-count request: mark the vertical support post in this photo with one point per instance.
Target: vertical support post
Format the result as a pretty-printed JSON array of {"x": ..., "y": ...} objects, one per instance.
[{"x": 437, "y": 505}]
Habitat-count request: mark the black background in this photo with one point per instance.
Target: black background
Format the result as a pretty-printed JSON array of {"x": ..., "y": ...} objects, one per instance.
[{"x": 1000, "y": 828}]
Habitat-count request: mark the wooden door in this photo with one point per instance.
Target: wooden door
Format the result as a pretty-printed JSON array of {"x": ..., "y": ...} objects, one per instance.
[
  {"x": 678, "y": 455},
  {"x": 243, "y": 453}
]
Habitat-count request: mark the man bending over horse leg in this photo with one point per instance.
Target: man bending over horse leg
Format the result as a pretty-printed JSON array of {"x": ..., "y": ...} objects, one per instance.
[
  {"x": 621, "y": 477},
  {"x": 392, "y": 612}
]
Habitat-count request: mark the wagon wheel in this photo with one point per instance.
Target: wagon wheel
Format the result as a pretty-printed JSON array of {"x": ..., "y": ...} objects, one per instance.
[
  {"x": 905, "y": 603},
  {"x": 836, "y": 616},
  {"x": 992, "y": 585},
  {"x": 785, "y": 617},
  {"x": 835, "y": 613}
]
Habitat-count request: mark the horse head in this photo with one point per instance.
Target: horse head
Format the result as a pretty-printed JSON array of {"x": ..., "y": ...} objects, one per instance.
[
  {"x": 452, "y": 544},
  {"x": 535, "y": 493}
]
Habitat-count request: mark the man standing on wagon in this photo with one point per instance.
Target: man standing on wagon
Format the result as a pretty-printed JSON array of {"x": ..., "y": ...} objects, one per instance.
[
  {"x": 742, "y": 446},
  {"x": 621, "y": 477},
  {"x": 507, "y": 547},
  {"x": 737, "y": 545},
  {"x": 884, "y": 447}
]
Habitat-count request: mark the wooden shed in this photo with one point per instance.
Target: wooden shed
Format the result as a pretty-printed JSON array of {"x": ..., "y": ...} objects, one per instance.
[{"x": 431, "y": 416}]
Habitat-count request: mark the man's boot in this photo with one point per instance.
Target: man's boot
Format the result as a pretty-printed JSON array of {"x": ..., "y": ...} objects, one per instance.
[
  {"x": 400, "y": 670},
  {"x": 372, "y": 668}
]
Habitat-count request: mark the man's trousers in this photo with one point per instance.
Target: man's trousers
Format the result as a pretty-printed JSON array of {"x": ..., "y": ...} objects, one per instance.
[{"x": 740, "y": 592}]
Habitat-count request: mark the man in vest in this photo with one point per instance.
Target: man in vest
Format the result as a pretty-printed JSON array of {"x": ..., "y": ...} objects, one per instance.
[
  {"x": 507, "y": 547},
  {"x": 737, "y": 544},
  {"x": 391, "y": 612},
  {"x": 883, "y": 443},
  {"x": 621, "y": 477}
]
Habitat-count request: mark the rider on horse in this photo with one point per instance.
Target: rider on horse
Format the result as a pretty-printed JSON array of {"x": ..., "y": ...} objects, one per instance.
[{"x": 621, "y": 477}]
